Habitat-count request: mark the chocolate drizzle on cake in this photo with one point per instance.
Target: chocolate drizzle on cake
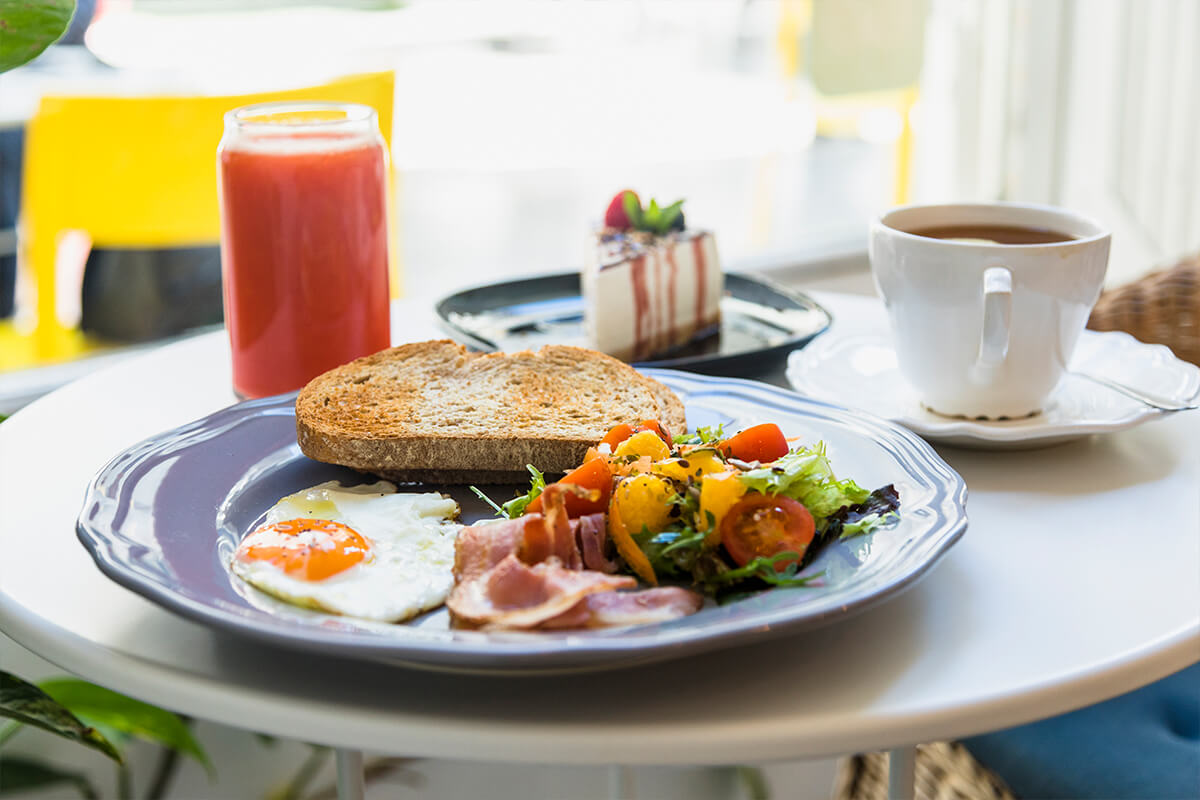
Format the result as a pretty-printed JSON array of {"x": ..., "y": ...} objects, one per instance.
[
  {"x": 617, "y": 246},
  {"x": 701, "y": 267},
  {"x": 641, "y": 306},
  {"x": 672, "y": 279}
]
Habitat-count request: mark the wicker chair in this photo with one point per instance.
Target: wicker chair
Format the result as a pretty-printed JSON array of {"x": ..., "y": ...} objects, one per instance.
[{"x": 1161, "y": 308}]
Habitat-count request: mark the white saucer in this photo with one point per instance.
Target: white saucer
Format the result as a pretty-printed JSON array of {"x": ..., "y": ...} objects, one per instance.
[{"x": 860, "y": 370}]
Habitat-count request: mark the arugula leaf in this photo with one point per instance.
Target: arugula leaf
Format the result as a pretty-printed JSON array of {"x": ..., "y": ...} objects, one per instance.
[
  {"x": 671, "y": 552},
  {"x": 683, "y": 551},
  {"x": 516, "y": 507},
  {"x": 479, "y": 493},
  {"x": 705, "y": 434},
  {"x": 763, "y": 568},
  {"x": 805, "y": 474}
]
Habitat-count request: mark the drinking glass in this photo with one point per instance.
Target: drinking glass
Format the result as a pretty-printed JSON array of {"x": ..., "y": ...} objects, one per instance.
[{"x": 304, "y": 241}]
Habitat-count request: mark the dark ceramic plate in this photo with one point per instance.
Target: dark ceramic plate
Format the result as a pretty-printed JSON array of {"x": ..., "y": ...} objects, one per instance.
[
  {"x": 760, "y": 323},
  {"x": 164, "y": 517}
]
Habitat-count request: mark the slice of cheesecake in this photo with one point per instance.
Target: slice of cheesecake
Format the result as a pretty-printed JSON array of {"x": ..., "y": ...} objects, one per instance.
[{"x": 649, "y": 284}]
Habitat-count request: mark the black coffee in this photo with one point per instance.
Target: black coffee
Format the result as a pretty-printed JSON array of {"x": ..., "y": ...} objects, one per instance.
[{"x": 997, "y": 234}]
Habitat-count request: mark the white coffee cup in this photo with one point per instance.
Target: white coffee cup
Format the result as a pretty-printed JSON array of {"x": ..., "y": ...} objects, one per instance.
[{"x": 984, "y": 329}]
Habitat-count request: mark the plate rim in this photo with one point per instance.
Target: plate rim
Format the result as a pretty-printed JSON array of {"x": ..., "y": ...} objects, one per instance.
[
  {"x": 793, "y": 342},
  {"x": 528, "y": 654}
]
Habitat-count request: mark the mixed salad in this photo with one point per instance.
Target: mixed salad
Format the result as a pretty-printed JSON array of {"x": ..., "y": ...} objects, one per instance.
[{"x": 724, "y": 513}]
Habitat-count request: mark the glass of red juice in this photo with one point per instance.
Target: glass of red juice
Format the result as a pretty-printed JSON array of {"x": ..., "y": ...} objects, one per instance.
[{"x": 304, "y": 241}]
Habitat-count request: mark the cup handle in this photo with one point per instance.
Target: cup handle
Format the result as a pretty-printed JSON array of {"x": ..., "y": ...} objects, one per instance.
[{"x": 997, "y": 316}]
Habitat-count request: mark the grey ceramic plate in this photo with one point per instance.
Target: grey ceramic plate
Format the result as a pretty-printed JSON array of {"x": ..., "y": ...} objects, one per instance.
[
  {"x": 164, "y": 517},
  {"x": 760, "y": 322}
]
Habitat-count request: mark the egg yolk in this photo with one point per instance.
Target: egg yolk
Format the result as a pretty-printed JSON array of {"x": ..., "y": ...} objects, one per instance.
[{"x": 306, "y": 549}]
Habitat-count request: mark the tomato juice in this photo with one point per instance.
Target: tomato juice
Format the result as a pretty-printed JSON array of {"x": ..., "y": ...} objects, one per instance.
[{"x": 304, "y": 249}]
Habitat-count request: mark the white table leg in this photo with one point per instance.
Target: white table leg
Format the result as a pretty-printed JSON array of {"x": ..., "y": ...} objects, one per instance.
[
  {"x": 350, "y": 783},
  {"x": 902, "y": 773}
]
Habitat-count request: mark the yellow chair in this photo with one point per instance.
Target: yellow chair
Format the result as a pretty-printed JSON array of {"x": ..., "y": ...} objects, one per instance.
[
  {"x": 133, "y": 172},
  {"x": 859, "y": 57}
]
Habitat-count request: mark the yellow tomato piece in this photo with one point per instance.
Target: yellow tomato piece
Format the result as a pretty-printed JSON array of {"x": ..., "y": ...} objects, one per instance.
[
  {"x": 644, "y": 443},
  {"x": 642, "y": 501},
  {"x": 692, "y": 467},
  {"x": 719, "y": 492},
  {"x": 627, "y": 547}
]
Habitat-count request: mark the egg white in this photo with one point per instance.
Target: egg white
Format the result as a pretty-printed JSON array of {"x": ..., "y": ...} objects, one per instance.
[{"x": 409, "y": 568}]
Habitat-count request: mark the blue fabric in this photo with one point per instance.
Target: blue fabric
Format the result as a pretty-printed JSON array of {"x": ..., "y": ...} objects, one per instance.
[{"x": 1144, "y": 745}]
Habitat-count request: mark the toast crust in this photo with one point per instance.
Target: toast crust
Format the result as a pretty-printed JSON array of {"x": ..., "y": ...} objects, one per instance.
[{"x": 434, "y": 412}]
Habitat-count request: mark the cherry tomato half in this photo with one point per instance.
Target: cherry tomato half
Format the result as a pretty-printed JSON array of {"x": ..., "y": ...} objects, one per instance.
[
  {"x": 594, "y": 474},
  {"x": 763, "y": 443},
  {"x": 616, "y": 435},
  {"x": 766, "y": 525},
  {"x": 621, "y": 432}
]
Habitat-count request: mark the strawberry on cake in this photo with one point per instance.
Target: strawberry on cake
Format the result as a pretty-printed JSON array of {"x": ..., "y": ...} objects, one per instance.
[{"x": 649, "y": 284}]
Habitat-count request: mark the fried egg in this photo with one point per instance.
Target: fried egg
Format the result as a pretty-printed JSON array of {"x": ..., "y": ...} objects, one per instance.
[{"x": 361, "y": 551}]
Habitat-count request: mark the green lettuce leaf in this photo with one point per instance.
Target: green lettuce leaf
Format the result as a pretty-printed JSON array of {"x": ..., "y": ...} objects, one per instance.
[
  {"x": 880, "y": 509},
  {"x": 806, "y": 475}
]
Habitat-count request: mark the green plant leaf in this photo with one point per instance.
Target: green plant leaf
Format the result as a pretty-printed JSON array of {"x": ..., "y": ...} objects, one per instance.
[
  {"x": 30, "y": 26},
  {"x": 110, "y": 711},
  {"x": 299, "y": 783},
  {"x": 754, "y": 782},
  {"x": 26, "y": 703},
  {"x": 19, "y": 775}
]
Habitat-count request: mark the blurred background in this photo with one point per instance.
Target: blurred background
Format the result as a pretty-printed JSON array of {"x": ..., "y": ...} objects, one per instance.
[{"x": 786, "y": 124}]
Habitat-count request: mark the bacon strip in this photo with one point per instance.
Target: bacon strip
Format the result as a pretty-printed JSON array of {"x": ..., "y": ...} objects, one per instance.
[
  {"x": 530, "y": 573},
  {"x": 613, "y": 609},
  {"x": 549, "y": 535},
  {"x": 515, "y": 595},
  {"x": 591, "y": 534},
  {"x": 483, "y": 545}
]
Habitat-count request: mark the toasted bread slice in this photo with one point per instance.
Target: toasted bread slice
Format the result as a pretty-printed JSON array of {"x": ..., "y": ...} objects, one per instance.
[{"x": 433, "y": 412}]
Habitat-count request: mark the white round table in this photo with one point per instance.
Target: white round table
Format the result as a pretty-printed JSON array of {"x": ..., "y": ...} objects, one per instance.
[{"x": 1078, "y": 579}]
